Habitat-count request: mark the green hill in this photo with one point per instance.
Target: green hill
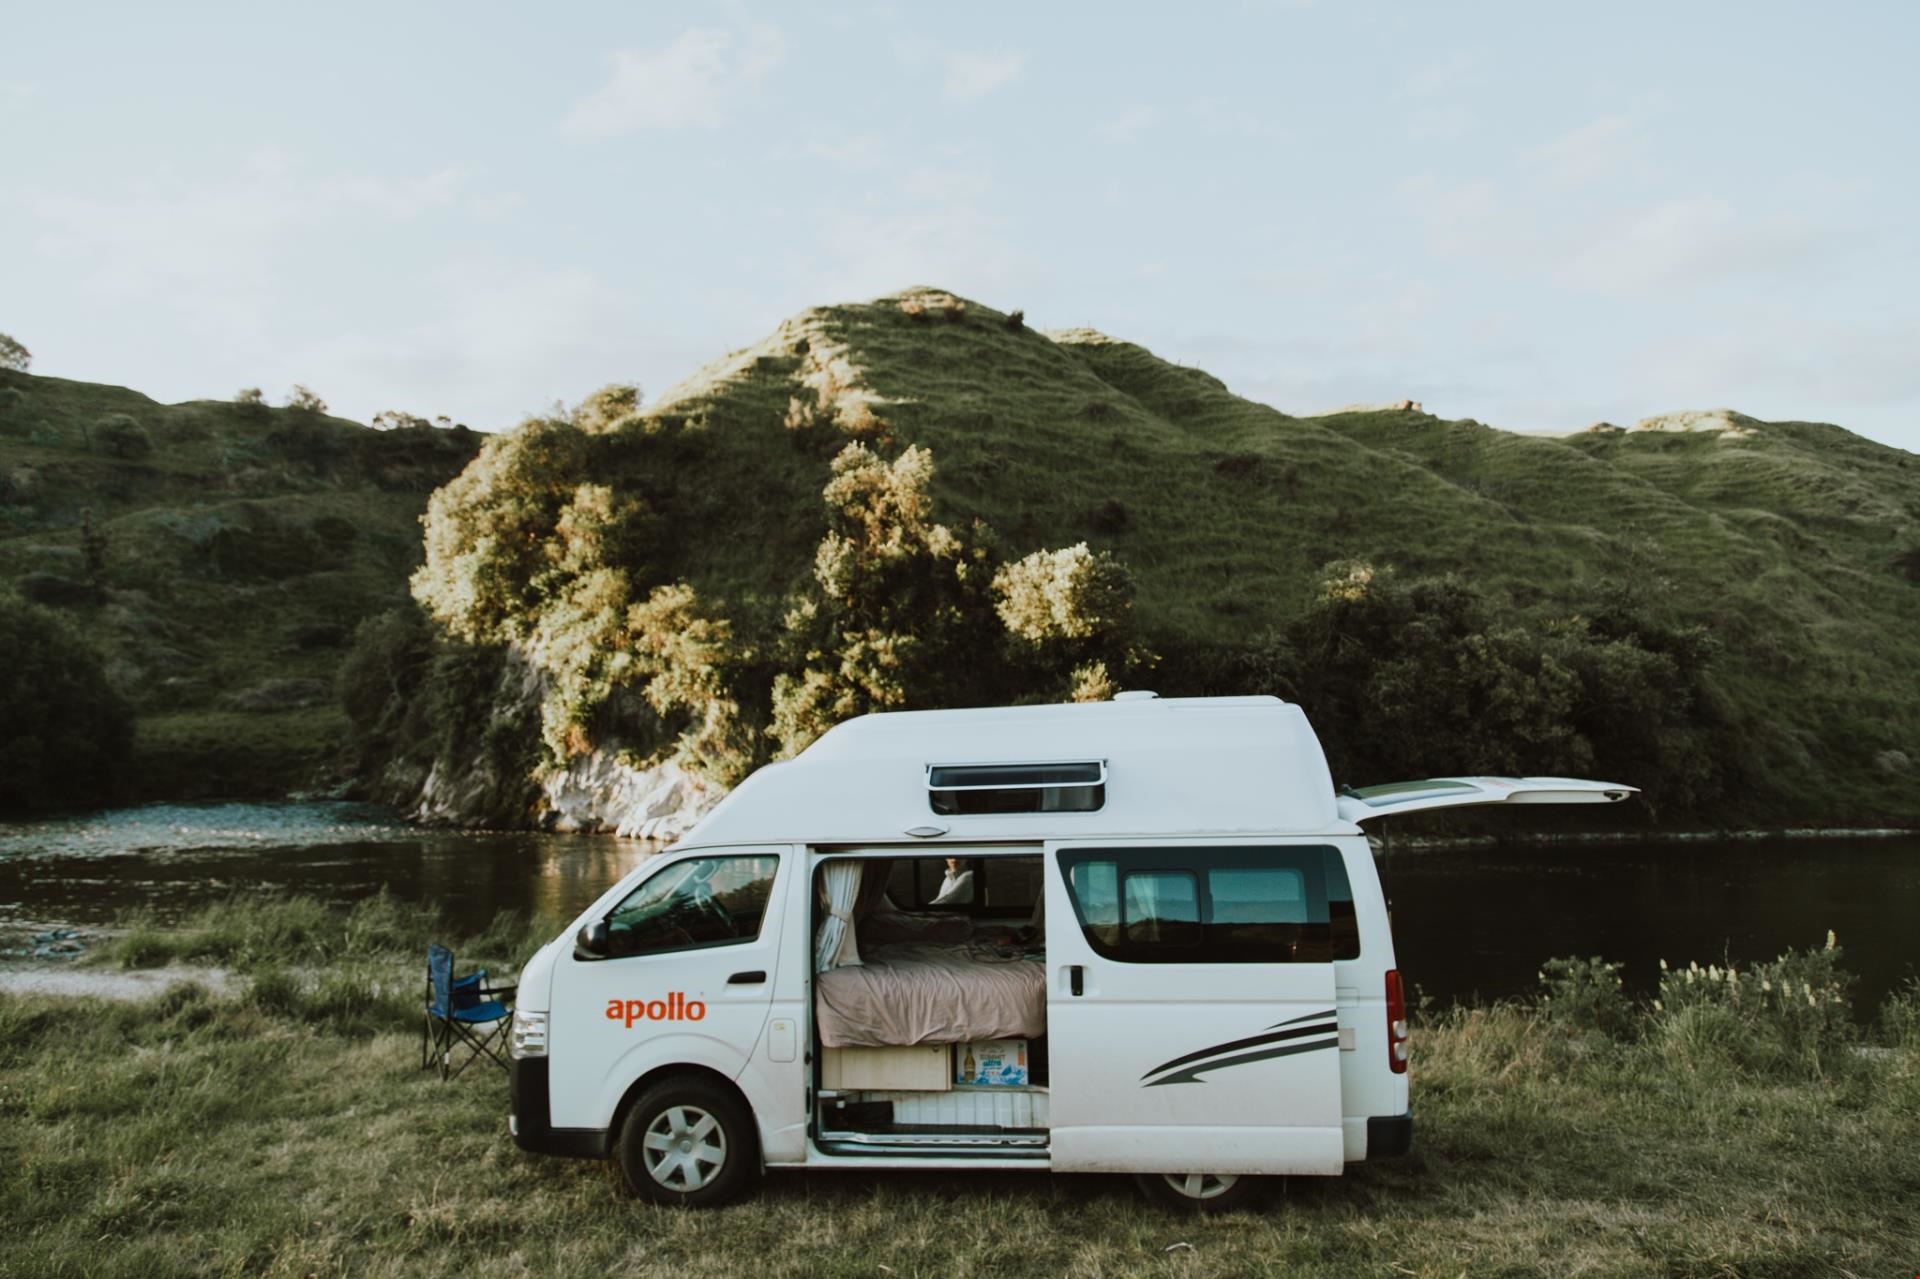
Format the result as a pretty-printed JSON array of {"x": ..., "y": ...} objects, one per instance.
[
  {"x": 920, "y": 501},
  {"x": 219, "y": 555},
  {"x": 1719, "y": 609}
]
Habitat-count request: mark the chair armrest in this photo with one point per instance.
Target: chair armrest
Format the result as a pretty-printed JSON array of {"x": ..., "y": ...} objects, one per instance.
[{"x": 500, "y": 990}]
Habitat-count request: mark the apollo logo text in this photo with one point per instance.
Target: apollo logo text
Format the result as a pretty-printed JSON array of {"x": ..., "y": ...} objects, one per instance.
[{"x": 675, "y": 1007}]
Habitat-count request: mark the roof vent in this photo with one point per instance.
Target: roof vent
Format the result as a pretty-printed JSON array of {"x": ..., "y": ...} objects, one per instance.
[
  {"x": 1137, "y": 695},
  {"x": 1070, "y": 786}
]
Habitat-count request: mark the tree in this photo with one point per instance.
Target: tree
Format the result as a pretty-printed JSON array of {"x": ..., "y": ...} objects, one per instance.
[
  {"x": 302, "y": 400},
  {"x": 14, "y": 356},
  {"x": 67, "y": 732},
  {"x": 121, "y": 436},
  {"x": 395, "y": 420},
  {"x": 892, "y": 592}
]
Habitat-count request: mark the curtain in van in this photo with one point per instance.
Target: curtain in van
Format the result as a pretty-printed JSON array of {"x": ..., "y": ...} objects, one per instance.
[{"x": 835, "y": 947}]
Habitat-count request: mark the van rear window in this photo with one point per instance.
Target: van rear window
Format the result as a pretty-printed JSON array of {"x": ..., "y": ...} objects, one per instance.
[{"x": 1238, "y": 905}]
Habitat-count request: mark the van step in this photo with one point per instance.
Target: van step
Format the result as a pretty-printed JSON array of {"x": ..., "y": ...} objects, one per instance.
[
  {"x": 982, "y": 1139},
  {"x": 871, "y": 1145}
]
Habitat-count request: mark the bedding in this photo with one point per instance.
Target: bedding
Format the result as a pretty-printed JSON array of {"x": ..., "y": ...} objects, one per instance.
[{"x": 919, "y": 994}]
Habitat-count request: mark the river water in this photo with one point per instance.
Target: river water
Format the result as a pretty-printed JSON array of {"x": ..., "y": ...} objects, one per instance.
[{"x": 1467, "y": 922}]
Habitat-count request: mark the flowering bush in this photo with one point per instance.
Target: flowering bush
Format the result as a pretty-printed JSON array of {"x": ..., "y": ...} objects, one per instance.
[{"x": 1790, "y": 1013}]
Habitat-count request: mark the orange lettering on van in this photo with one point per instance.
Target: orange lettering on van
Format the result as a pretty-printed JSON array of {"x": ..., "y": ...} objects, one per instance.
[{"x": 675, "y": 1007}]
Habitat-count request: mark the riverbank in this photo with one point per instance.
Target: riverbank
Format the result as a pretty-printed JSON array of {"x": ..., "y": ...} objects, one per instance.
[{"x": 283, "y": 1128}]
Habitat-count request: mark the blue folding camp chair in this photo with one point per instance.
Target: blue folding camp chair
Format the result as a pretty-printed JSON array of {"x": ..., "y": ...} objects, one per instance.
[{"x": 462, "y": 1012}]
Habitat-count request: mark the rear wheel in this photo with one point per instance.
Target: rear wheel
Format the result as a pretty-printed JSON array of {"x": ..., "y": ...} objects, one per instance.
[
  {"x": 688, "y": 1142},
  {"x": 1198, "y": 1191}
]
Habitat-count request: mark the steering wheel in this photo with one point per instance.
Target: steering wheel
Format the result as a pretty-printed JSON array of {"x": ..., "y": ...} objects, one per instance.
[{"x": 704, "y": 898}]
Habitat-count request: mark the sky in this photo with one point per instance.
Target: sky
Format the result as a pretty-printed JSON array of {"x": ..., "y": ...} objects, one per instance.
[{"x": 1533, "y": 215}]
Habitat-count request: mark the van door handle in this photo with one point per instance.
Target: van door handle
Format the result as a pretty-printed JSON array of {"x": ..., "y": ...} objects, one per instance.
[
  {"x": 747, "y": 979},
  {"x": 1076, "y": 979}
]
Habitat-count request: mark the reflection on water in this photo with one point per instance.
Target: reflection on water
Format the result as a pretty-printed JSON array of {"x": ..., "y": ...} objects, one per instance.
[
  {"x": 168, "y": 858},
  {"x": 1466, "y": 922},
  {"x": 1479, "y": 921}
]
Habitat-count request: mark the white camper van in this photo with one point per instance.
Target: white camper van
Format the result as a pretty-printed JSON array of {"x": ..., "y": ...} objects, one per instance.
[{"x": 1139, "y": 936}]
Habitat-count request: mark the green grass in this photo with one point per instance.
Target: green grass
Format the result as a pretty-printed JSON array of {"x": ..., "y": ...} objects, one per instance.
[
  {"x": 272, "y": 1133},
  {"x": 230, "y": 550}
]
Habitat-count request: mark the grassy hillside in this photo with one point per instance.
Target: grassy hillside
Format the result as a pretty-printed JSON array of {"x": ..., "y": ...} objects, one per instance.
[
  {"x": 1767, "y": 568},
  {"x": 219, "y": 555}
]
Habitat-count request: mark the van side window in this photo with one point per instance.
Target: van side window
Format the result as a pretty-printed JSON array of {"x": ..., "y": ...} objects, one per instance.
[
  {"x": 1291, "y": 904},
  {"x": 1160, "y": 908},
  {"x": 703, "y": 901}
]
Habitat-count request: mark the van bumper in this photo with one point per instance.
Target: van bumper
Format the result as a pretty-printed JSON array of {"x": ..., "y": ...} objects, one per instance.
[
  {"x": 1389, "y": 1136},
  {"x": 530, "y": 1115}
]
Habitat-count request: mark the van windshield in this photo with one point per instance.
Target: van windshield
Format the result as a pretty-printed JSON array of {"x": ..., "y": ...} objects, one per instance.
[{"x": 704, "y": 901}]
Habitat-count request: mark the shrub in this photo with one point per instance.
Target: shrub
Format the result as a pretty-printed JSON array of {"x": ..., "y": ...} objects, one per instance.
[
  {"x": 56, "y": 591},
  {"x": 121, "y": 436},
  {"x": 1110, "y": 517},
  {"x": 13, "y": 355},
  {"x": 395, "y": 420},
  {"x": 302, "y": 399},
  {"x": 1793, "y": 1012},
  {"x": 1907, "y": 564},
  {"x": 13, "y": 403},
  {"x": 1900, "y": 1017},
  {"x": 1073, "y": 593},
  {"x": 1091, "y": 683},
  {"x": 264, "y": 548},
  {"x": 320, "y": 635},
  {"x": 250, "y": 401},
  {"x": 1585, "y": 995},
  {"x": 914, "y": 308},
  {"x": 67, "y": 732},
  {"x": 608, "y": 407},
  {"x": 1101, "y": 411},
  {"x": 383, "y": 668},
  {"x": 1016, "y": 320},
  {"x": 337, "y": 531}
]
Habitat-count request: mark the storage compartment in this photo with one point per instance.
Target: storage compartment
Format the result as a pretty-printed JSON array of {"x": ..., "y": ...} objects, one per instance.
[
  {"x": 916, "y": 1068},
  {"x": 986, "y": 1109},
  {"x": 992, "y": 1063}
]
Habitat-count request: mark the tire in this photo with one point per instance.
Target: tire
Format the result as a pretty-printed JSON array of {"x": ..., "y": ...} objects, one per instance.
[
  {"x": 688, "y": 1143},
  {"x": 1199, "y": 1192}
]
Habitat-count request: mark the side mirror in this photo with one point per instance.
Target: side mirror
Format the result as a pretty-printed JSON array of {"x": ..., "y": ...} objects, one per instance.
[{"x": 591, "y": 940}]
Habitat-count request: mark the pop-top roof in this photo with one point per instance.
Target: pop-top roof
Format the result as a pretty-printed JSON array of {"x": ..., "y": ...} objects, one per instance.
[{"x": 1173, "y": 766}]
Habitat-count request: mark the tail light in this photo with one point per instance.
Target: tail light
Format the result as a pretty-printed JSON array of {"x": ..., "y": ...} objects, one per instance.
[{"x": 1396, "y": 1023}]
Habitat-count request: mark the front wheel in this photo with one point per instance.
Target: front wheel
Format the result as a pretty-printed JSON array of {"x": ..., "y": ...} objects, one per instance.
[
  {"x": 1198, "y": 1191},
  {"x": 689, "y": 1143}
]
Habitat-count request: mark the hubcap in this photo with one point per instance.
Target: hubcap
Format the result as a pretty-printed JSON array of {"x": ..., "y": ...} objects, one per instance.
[
  {"x": 684, "y": 1148},
  {"x": 1200, "y": 1185}
]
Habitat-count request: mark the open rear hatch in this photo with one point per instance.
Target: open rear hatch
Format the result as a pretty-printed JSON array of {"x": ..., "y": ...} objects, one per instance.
[{"x": 1394, "y": 798}]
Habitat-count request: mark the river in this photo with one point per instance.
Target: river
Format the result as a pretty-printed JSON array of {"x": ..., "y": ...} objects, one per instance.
[{"x": 1469, "y": 922}]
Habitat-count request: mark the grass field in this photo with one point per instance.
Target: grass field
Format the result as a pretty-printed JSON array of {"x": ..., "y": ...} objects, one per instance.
[{"x": 286, "y": 1131}]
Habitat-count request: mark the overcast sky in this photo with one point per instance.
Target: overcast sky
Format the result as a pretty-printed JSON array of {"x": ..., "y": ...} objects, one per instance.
[{"x": 1509, "y": 212}]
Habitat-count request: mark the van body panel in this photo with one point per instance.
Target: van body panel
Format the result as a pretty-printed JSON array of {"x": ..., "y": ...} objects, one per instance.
[
  {"x": 1238, "y": 1148},
  {"x": 1366, "y": 1086},
  {"x": 1158, "y": 1065},
  {"x": 616, "y": 1019}
]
